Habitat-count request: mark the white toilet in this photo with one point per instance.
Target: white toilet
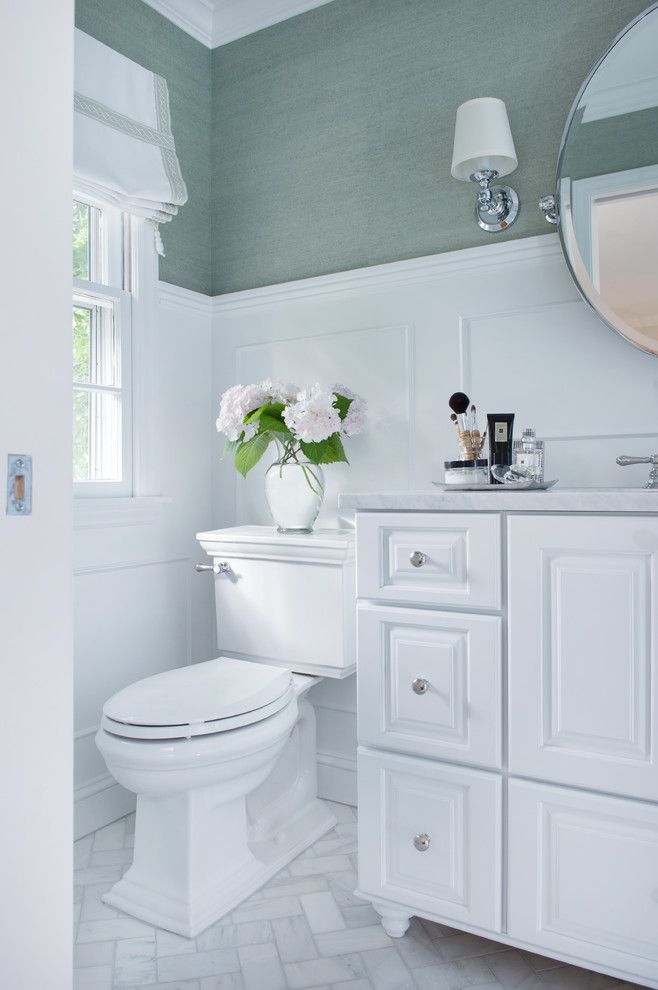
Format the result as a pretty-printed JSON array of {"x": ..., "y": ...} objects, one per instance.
[{"x": 222, "y": 754}]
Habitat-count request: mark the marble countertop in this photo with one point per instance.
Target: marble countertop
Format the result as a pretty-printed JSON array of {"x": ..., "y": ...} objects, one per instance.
[{"x": 617, "y": 500}]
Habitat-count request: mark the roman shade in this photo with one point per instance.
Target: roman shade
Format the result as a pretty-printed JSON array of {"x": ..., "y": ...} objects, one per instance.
[{"x": 124, "y": 150}]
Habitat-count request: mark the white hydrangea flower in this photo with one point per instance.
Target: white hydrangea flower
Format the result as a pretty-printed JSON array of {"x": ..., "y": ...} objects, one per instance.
[
  {"x": 280, "y": 391},
  {"x": 313, "y": 416},
  {"x": 357, "y": 414},
  {"x": 235, "y": 404}
]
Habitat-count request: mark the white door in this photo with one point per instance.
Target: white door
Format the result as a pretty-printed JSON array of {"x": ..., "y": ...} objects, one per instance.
[
  {"x": 583, "y": 651},
  {"x": 430, "y": 837},
  {"x": 584, "y": 877},
  {"x": 36, "y": 109}
]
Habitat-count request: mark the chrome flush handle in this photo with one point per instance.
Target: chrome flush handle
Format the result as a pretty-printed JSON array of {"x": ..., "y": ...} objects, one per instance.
[
  {"x": 219, "y": 567},
  {"x": 417, "y": 558}
]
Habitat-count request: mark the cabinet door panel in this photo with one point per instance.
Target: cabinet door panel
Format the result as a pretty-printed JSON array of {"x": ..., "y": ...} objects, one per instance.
[
  {"x": 459, "y": 562},
  {"x": 584, "y": 876},
  {"x": 456, "y": 811},
  {"x": 429, "y": 683},
  {"x": 582, "y": 649}
]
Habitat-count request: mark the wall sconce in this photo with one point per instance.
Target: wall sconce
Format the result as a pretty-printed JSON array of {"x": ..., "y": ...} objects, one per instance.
[{"x": 484, "y": 150}]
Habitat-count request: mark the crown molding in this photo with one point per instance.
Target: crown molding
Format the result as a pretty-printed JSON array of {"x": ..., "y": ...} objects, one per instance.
[
  {"x": 216, "y": 22},
  {"x": 238, "y": 19},
  {"x": 195, "y": 17},
  {"x": 538, "y": 249}
]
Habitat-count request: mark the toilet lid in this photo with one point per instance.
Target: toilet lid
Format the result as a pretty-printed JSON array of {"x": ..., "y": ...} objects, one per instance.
[{"x": 204, "y": 697}]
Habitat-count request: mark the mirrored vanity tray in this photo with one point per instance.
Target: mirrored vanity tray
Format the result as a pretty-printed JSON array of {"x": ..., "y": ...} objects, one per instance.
[{"x": 515, "y": 486}]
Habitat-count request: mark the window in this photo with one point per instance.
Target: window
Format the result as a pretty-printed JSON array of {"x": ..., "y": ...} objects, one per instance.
[{"x": 102, "y": 305}]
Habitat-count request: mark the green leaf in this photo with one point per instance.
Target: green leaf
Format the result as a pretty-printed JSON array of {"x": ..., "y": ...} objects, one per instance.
[
  {"x": 329, "y": 451},
  {"x": 273, "y": 409},
  {"x": 248, "y": 454},
  {"x": 267, "y": 422},
  {"x": 336, "y": 450},
  {"x": 342, "y": 404},
  {"x": 315, "y": 452}
]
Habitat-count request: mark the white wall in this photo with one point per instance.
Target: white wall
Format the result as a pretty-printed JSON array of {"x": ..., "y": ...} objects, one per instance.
[
  {"x": 504, "y": 323},
  {"x": 35, "y": 552},
  {"x": 139, "y": 605}
]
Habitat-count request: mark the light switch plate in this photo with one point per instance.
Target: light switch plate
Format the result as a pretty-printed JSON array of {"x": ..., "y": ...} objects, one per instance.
[{"x": 19, "y": 485}]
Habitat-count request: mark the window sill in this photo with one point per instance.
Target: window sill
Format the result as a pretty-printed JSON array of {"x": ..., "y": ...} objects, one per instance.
[{"x": 102, "y": 513}]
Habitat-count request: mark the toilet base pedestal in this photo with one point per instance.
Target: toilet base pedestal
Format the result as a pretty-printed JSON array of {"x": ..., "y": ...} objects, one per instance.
[{"x": 223, "y": 882}]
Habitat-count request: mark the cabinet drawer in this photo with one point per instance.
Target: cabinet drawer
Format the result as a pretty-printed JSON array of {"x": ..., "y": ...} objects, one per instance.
[
  {"x": 406, "y": 803},
  {"x": 584, "y": 877},
  {"x": 429, "y": 683},
  {"x": 433, "y": 558},
  {"x": 583, "y": 652}
]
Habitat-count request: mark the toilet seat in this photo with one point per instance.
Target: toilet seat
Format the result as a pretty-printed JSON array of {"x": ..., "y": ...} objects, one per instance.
[{"x": 201, "y": 699}]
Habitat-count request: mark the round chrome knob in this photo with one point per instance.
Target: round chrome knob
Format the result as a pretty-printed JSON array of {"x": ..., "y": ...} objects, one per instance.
[
  {"x": 422, "y": 842},
  {"x": 417, "y": 558},
  {"x": 420, "y": 685}
]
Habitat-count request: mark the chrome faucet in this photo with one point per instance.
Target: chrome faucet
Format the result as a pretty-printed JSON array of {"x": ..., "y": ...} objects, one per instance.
[{"x": 652, "y": 459}]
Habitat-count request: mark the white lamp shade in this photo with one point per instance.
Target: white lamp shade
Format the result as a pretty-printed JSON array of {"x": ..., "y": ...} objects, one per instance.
[{"x": 483, "y": 139}]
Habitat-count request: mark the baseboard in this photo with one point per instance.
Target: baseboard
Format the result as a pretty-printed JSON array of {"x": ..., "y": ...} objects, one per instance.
[
  {"x": 337, "y": 778},
  {"x": 98, "y": 803}
]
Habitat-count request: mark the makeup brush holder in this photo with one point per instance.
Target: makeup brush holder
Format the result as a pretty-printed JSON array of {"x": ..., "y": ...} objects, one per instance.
[{"x": 466, "y": 449}]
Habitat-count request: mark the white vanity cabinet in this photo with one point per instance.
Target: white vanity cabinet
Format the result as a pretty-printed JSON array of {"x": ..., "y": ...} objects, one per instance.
[{"x": 508, "y": 713}]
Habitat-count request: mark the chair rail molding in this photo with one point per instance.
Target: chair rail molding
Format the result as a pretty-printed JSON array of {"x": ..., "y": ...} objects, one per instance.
[{"x": 535, "y": 250}]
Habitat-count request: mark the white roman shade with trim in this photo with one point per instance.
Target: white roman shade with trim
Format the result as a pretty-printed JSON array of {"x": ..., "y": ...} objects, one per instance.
[{"x": 124, "y": 149}]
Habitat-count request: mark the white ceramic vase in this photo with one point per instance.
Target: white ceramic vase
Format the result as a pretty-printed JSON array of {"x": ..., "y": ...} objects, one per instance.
[{"x": 294, "y": 494}]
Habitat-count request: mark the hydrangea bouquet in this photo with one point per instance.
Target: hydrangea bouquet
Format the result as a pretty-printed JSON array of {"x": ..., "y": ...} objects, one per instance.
[{"x": 307, "y": 425}]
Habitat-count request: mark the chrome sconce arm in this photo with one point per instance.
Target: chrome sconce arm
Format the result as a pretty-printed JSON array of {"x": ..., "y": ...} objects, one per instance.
[
  {"x": 548, "y": 206},
  {"x": 497, "y": 208}
]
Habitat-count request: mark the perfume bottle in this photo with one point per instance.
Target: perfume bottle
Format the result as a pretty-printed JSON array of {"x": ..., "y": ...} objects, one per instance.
[{"x": 529, "y": 455}]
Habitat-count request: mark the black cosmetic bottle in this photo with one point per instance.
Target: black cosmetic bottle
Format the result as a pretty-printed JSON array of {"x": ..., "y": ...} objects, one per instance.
[{"x": 499, "y": 428}]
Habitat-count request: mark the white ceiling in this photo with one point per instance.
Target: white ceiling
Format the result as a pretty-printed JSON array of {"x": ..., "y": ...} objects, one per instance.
[{"x": 216, "y": 22}]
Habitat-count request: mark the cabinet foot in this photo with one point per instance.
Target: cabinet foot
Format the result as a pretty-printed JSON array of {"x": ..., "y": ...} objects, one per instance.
[{"x": 394, "y": 923}]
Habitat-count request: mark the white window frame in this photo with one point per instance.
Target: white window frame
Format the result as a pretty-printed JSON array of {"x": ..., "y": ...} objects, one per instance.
[
  {"x": 87, "y": 294},
  {"x": 134, "y": 266}
]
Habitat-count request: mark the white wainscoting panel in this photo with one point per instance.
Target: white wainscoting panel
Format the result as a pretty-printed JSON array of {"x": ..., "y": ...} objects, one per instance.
[
  {"x": 503, "y": 322},
  {"x": 139, "y": 606}
]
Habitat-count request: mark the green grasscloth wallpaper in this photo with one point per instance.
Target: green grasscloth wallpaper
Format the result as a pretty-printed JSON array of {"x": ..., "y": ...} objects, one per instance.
[
  {"x": 332, "y": 132},
  {"x": 323, "y": 143},
  {"x": 139, "y": 33}
]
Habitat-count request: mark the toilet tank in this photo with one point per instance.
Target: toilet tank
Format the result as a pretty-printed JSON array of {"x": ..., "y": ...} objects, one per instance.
[{"x": 286, "y": 599}]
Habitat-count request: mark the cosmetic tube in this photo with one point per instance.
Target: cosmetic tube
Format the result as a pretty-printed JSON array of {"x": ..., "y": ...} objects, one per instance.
[{"x": 499, "y": 428}]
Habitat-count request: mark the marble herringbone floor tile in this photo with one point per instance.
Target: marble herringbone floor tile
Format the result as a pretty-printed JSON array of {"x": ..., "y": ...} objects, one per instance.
[{"x": 305, "y": 930}]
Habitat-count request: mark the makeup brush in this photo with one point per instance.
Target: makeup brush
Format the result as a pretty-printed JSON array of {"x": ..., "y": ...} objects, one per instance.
[
  {"x": 459, "y": 403},
  {"x": 475, "y": 432}
]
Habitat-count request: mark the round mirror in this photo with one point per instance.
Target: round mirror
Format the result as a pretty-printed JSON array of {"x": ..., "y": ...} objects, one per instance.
[{"x": 607, "y": 184}]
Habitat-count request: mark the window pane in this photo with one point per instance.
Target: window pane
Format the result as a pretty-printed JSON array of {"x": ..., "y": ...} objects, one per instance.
[
  {"x": 96, "y": 435},
  {"x": 81, "y": 344},
  {"x": 96, "y": 347},
  {"x": 80, "y": 436},
  {"x": 81, "y": 242}
]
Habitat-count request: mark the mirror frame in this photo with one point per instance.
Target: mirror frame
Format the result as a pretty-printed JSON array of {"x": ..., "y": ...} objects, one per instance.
[{"x": 598, "y": 309}]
